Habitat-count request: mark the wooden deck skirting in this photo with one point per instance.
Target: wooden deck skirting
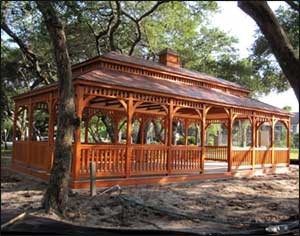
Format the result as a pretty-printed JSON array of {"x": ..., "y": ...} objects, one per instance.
[{"x": 85, "y": 183}]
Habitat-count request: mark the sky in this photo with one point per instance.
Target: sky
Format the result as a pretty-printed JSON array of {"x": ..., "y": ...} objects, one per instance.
[{"x": 234, "y": 21}]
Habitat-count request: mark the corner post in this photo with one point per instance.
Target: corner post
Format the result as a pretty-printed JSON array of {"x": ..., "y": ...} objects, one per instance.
[
  {"x": 186, "y": 127},
  {"x": 203, "y": 138},
  {"x": 288, "y": 141},
  {"x": 142, "y": 129},
  {"x": 86, "y": 130},
  {"x": 253, "y": 141},
  {"x": 273, "y": 141},
  {"x": 15, "y": 131},
  {"x": 170, "y": 136},
  {"x": 229, "y": 141},
  {"x": 130, "y": 111},
  {"x": 51, "y": 132},
  {"x": 76, "y": 151},
  {"x": 30, "y": 120}
]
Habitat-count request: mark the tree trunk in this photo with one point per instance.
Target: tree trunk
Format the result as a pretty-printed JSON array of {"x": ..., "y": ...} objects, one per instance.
[
  {"x": 56, "y": 196},
  {"x": 277, "y": 39}
]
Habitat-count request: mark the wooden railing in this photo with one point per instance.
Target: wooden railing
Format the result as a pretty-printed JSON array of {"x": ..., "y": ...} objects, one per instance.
[
  {"x": 216, "y": 153},
  {"x": 185, "y": 159},
  {"x": 148, "y": 159},
  {"x": 263, "y": 156},
  {"x": 110, "y": 159},
  {"x": 33, "y": 154},
  {"x": 281, "y": 155},
  {"x": 39, "y": 155},
  {"x": 241, "y": 156},
  {"x": 144, "y": 159},
  {"x": 20, "y": 152}
]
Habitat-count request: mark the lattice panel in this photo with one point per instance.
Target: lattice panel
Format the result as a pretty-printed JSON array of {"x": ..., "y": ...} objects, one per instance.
[
  {"x": 106, "y": 92},
  {"x": 242, "y": 111},
  {"x": 190, "y": 104},
  {"x": 225, "y": 122},
  {"x": 150, "y": 98}
]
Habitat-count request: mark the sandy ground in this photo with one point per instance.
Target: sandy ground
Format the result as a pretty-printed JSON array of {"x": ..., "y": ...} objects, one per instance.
[{"x": 202, "y": 206}]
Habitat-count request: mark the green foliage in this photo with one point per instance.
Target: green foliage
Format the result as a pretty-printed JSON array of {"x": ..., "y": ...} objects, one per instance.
[
  {"x": 287, "y": 108},
  {"x": 266, "y": 67},
  {"x": 192, "y": 140},
  {"x": 295, "y": 141},
  {"x": 181, "y": 141},
  {"x": 40, "y": 124}
]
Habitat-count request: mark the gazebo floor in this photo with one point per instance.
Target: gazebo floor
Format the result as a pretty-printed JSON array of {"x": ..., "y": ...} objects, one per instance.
[{"x": 213, "y": 170}]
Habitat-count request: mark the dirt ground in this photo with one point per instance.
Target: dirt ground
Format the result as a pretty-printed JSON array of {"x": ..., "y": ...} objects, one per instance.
[{"x": 204, "y": 206}]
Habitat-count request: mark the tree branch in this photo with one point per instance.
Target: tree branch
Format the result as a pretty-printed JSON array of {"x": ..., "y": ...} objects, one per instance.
[
  {"x": 277, "y": 39},
  {"x": 293, "y": 5},
  {"x": 27, "y": 52},
  {"x": 137, "y": 23},
  {"x": 114, "y": 27}
]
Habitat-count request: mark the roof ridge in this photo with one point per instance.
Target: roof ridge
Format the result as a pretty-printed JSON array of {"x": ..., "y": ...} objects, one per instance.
[{"x": 181, "y": 70}]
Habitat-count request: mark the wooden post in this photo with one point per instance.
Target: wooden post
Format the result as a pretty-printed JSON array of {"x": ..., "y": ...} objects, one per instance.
[
  {"x": 288, "y": 141},
  {"x": 186, "y": 124},
  {"x": 229, "y": 141},
  {"x": 116, "y": 129},
  {"x": 257, "y": 137},
  {"x": 51, "y": 132},
  {"x": 76, "y": 151},
  {"x": 14, "y": 132},
  {"x": 253, "y": 141},
  {"x": 30, "y": 113},
  {"x": 92, "y": 178},
  {"x": 166, "y": 131},
  {"x": 86, "y": 130},
  {"x": 272, "y": 141},
  {"x": 203, "y": 138},
  {"x": 170, "y": 136},
  {"x": 142, "y": 129},
  {"x": 128, "y": 137}
]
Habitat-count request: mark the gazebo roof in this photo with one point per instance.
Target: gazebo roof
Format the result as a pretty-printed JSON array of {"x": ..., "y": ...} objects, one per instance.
[
  {"x": 127, "y": 80},
  {"x": 179, "y": 70},
  {"x": 93, "y": 71}
]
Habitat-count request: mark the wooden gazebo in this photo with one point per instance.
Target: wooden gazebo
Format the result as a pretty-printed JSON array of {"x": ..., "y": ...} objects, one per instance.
[{"x": 126, "y": 88}]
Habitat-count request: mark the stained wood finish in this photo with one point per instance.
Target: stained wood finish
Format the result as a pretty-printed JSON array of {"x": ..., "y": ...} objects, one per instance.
[
  {"x": 131, "y": 160},
  {"x": 216, "y": 153},
  {"x": 241, "y": 156},
  {"x": 110, "y": 160}
]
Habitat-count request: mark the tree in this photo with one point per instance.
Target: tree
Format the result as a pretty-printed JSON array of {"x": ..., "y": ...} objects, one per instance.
[
  {"x": 278, "y": 41},
  {"x": 56, "y": 195},
  {"x": 287, "y": 108}
]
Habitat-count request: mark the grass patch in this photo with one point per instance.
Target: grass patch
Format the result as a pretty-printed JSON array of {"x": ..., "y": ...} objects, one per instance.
[{"x": 294, "y": 154}]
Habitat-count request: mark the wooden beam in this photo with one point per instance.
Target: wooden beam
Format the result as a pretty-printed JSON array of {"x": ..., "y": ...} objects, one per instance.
[
  {"x": 130, "y": 111},
  {"x": 76, "y": 154},
  {"x": 253, "y": 141},
  {"x": 203, "y": 138},
  {"x": 273, "y": 141},
  {"x": 86, "y": 130},
  {"x": 51, "y": 123},
  {"x": 30, "y": 114},
  {"x": 170, "y": 135},
  {"x": 186, "y": 127},
  {"x": 229, "y": 136},
  {"x": 16, "y": 114},
  {"x": 288, "y": 141}
]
